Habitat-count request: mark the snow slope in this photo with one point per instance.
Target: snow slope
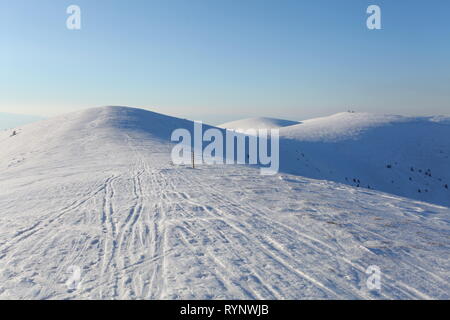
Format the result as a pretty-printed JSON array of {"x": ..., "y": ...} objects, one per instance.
[
  {"x": 258, "y": 123},
  {"x": 95, "y": 190},
  {"x": 405, "y": 156}
]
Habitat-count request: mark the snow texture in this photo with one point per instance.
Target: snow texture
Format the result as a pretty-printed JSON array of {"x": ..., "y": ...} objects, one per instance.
[{"x": 95, "y": 192}]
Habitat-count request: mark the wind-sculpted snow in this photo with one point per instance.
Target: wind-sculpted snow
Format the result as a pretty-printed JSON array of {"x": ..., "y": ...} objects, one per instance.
[{"x": 89, "y": 192}]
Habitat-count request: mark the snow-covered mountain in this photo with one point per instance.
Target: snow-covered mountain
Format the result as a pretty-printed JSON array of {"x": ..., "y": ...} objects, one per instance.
[
  {"x": 405, "y": 156},
  {"x": 258, "y": 123},
  {"x": 92, "y": 208}
]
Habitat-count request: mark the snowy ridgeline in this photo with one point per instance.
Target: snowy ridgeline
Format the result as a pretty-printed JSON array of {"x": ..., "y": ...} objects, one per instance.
[
  {"x": 95, "y": 191},
  {"x": 404, "y": 156},
  {"x": 409, "y": 157}
]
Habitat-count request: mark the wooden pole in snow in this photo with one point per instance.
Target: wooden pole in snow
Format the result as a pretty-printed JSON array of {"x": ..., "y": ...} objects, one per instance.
[{"x": 193, "y": 160}]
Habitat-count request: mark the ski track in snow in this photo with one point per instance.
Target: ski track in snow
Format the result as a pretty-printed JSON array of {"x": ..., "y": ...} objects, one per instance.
[{"x": 141, "y": 228}]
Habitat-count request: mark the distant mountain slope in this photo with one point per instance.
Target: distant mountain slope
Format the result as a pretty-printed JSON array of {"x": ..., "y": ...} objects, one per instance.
[
  {"x": 399, "y": 155},
  {"x": 10, "y": 120},
  {"x": 258, "y": 123}
]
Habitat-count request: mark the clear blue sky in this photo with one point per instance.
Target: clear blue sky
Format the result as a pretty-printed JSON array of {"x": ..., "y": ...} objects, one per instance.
[{"x": 226, "y": 59}]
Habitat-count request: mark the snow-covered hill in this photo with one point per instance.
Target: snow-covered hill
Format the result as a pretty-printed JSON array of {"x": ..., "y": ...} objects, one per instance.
[
  {"x": 405, "y": 156},
  {"x": 95, "y": 192},
  {"x": 258, "y": 123}
]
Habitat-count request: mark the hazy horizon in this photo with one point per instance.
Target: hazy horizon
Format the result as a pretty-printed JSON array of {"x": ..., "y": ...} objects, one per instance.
[{"x": 12, "y": 120}]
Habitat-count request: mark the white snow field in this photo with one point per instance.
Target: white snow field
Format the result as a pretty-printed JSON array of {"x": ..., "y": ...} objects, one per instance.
[
  {"x": 96, "y": 190},
  {"x": 258, "y": 123}
]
